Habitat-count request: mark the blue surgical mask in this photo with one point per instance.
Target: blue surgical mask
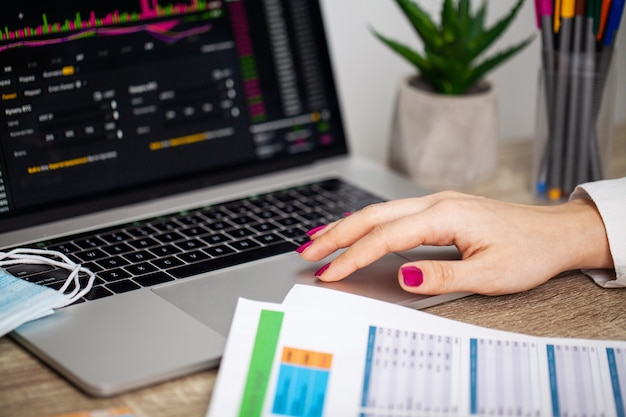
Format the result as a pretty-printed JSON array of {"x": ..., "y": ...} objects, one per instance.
[{"x": 22, "y": 301}]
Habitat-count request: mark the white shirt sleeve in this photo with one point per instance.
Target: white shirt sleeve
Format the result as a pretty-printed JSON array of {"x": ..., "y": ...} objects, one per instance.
[{"x": 609, "y": 196}]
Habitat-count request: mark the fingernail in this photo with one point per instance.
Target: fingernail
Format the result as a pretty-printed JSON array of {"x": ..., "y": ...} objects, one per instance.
[
  {"x": 315, "y": 230},
  {"x": 412, "y": 276},
  {"x": 321, "y": 271},
  {"x": 304, "y": 246},
  {"x": 347, "y": 213}
]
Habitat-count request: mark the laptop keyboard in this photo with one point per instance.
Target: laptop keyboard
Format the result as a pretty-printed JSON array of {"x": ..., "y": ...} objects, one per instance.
[{"x": 168, "y": 248}]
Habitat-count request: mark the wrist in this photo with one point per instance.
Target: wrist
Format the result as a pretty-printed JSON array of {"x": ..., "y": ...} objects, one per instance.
[{"x": 585, "y": 236}]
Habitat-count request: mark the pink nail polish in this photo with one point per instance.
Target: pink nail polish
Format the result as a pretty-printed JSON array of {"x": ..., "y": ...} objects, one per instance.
[
  {"x": 315, "y": 230},
  {"x": 412, "y": 276},
  {"x": 347, "y": 213},
  {"x": 321, "y": 271},
  {"x": 303, "y": 247}
]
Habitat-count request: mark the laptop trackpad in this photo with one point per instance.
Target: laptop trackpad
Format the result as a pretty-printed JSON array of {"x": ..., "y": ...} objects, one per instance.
[{"x": 212, "y": 299}]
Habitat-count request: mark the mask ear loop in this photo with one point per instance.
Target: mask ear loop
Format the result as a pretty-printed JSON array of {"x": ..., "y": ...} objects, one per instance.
[{"x": 43, "y": 257}]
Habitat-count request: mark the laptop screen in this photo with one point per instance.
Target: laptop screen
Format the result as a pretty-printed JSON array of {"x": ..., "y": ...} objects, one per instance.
[{"x": 111, "y": 102}]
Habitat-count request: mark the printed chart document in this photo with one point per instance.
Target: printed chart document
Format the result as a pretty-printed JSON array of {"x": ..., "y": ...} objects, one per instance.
[{"x": 327, "y": 353}]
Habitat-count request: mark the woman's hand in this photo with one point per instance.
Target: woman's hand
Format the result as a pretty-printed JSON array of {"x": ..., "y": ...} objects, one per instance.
[{"x": 505, "y": 248}]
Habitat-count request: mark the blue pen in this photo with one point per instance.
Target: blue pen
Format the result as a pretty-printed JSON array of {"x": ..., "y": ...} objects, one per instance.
[
  {"x": 609, "y": 25},
  {"x": 612, "y": 25}
]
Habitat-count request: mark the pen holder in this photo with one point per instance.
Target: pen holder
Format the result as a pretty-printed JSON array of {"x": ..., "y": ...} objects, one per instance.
[{"x": 573, "y": 125}]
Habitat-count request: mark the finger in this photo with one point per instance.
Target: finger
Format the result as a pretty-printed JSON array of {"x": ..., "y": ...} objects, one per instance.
[
  {"x": 345, "y": 232},
  {"x": 399, "y": 235},
  {"x": 434, "y": 277},
  {"x": 473, "y": 275}
]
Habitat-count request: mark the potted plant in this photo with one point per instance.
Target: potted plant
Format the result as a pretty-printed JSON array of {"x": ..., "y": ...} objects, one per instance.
[{"x": 445, "y": 129}]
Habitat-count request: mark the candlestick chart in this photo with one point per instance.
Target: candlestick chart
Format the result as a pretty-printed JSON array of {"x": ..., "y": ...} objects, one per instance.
[{"x": 163, "y": 22}]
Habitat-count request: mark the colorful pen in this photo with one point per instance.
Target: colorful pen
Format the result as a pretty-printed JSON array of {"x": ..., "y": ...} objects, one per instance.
[
  {"x": 604, "y": 15},
  {"x": 589, "y": 164},
  {"x": 557, "y": 16},
  {"x": 544, "y": 10},
  {"x": 555, "y": 173},
  {"x": 572, "y": 134},
  {"x": 613, "y": 21}
]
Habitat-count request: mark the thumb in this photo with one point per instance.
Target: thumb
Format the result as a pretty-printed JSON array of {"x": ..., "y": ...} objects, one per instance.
[{"x": 433, "y": 277}]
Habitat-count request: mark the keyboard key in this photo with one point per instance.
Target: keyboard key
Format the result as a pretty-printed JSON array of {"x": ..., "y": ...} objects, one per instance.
[
  {"x": 267, "y": 214},
  {"x": 92, "y": 242},
  {"x": 191, "y": 220},
  {"x": 305, "y": 191},
  {"x": 98, "y": 292},
  {"x": 245, "y": 244},
  {"x": 24, "y": 270},
  {"x": 235, "y": 259},
  {"x": 169, "y": 237},
  {"x": 117, "y": 249},
  {"x": 262, "y": 203},
  {"x": 112, "y": 262},
  {"x": 48, "y": 278},
  {"x": 153, "y": 279},
  {"x": 123, "y": 286},
  {"x": 141, "y": 269},
  {"x": 243, "y": 220},
  {"x": 115, "y": 237},
  {"x": 219, "y": 250},
  {"x": 215, "y": 213},
  {"x": 240, "y": 233},
  {"x": 215, "y": 238},
  {"x": 315, "y": 215},
  {"x": 290, "y": 208},
  {"x": 90, "y": 255},
  {"x": 293, "y": 233},
  {"x": 219, "y": 225},
  {"x": 142, "y": 231},
  {"x": 301, "y": 240},
  {"x": 114, "y": 275},
  {"x": 166, "y": 226},
  {"x": 194, "y": 231},
  {"x": 268, "y": 238},
  {"x": 143, "y": 243},
  {"x": 92, "y": 266},
  {"x": 165, "y": 250},
  {"x": 140, "y": 256},
  {"x": 191, "y": 244},
  {"x": 288, "y": 221},
  {"x": 65, "y": 248},
  {"x": 265, "y": 227},
  {"x": 194, "y": 256},
  {"x": 166, "y": 263},
  {"x": 238, "y": 208}
]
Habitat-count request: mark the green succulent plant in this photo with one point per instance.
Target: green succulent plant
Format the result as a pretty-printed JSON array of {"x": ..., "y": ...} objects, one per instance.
[{"x": 452, "y": 61}]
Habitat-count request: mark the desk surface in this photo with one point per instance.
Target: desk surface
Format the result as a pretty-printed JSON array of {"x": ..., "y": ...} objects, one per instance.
[{"x": 567, "y": 306}]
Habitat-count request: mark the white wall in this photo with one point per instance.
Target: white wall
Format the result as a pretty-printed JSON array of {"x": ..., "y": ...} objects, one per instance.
[{"x": 368, "y": 72}]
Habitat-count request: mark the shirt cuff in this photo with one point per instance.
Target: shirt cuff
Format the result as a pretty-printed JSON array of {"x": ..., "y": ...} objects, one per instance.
[{"x": 608, "y": 196}]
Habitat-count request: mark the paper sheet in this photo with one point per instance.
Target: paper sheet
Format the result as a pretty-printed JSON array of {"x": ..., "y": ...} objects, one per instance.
[{"x": 328, "y": 353}]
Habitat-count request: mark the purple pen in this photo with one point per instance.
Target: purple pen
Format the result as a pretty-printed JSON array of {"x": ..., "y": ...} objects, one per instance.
[
  {"x": 544, "y": 8},
  {"x": 543, "y": 12}
]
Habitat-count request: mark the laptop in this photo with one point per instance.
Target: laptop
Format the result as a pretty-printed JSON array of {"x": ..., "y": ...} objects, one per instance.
[{"x": 180, "y": 151}]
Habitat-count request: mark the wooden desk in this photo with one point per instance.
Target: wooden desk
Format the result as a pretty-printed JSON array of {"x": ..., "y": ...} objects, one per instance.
[{"x": 567, "y": 306}]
